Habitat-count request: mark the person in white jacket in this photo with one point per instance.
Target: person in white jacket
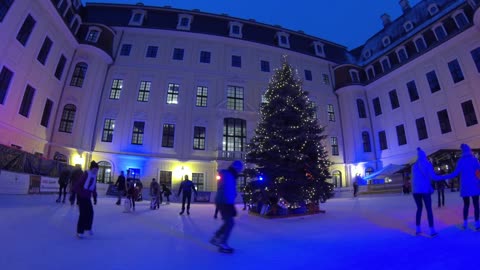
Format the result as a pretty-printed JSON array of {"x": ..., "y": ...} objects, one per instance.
[
  {"x": 422, "y": 175},
  {"x": 467, "y": 167}
]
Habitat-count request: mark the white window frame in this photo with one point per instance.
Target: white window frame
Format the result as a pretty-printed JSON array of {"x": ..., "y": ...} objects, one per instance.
[
  {"x": 457, "y": 13},
  {"x": 435, "y": 27},
  {"x": 373, "y": 72},
  {"x": 415, "y": 42},
  {"x": 319, "y": 48},
  {"x": 179, "y": 23},
  {"x": 134, "y": 13},
  {"x": 66, "y": 9},
  {"x": 231, "y": 25},
  {"x": 352, "y": 76},
  {"x": 93, "y": 28},
  {"x": 76, "y": 3},
  {"x": 388, "y": 63},
  {"x": 367, "y": 54},
  {"x": 279, "y": 39},
  {"x": 398, "y": 55},
  {"x": 433, "y": 9},
  {"x": 408, "y": 26},
  {"x": 386, "y": 41},
  {"x": 75, "y": 18}
]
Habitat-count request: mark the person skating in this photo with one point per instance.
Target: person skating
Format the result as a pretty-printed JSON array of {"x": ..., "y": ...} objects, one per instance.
[
  {"x": 154, "y": 193},
  {"x": 121, "y": 187},
  {"x": 441, "y": 185},
  {"x": 467, "y": 168},
  {"x": 76, "y": 176},
  {"x": 186, "y": 188},
  {"x": 225, "y": 201},
  {"x": 84, "y": 189},
  {"x": 166, "y": 192},
  {"x": 63, "y": 183},
  {"x": 132, "y": 193}
]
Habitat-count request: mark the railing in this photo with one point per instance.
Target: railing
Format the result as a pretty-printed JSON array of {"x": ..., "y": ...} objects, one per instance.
[{"x": 231, "y": 155}]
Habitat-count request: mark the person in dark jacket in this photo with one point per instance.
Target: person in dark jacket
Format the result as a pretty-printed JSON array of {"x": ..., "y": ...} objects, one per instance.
[
  {"x": 76, "y": 176},
  {"x": 441, "y": 185},
  {"x": 85, "y": 188},
  {"x": 121, "y": 187},
  {"x": 155, "y": 192},
  {"x": 165, "y": 192},
  {"x": 225, "y": 202},
  {"x": 186, "y": 187},
  {"x": 63, "y": 182}
]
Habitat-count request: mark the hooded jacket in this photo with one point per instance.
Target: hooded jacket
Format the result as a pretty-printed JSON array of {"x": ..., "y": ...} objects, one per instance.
[
  {"x": 227, "y": 187},
  {"x": 423, "y": 173},
  {"x": 466, "y": 167}
]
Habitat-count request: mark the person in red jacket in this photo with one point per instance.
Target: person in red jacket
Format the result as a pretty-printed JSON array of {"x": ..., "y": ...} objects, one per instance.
[{"x": 84, "y": 189}]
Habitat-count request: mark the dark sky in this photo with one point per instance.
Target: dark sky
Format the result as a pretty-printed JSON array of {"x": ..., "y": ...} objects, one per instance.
[{"x": 346, "y": 22}]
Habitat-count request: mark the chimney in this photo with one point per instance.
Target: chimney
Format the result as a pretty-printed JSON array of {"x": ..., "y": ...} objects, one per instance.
[
  {"x": 405, "y": 5},
  {"x": 385, "y": 19}
]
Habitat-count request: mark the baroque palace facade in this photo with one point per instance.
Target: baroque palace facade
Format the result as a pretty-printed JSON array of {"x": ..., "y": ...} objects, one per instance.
[{"x": 164, "y": 92}]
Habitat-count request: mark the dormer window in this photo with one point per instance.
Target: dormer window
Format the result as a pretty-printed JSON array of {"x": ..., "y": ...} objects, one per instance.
[
  {"x": 184, "y": 21},
  {"x": 354, "y": 76},
  {"x": 402, "y": 54},
  {"x": 370, "y": 73},
  {"x": 75, "y": 25},
  {"x": 367, "y": 54},
  {"x": 235, "y": 29},
  {"x": 319, "y": 48},
  {"x": 420, "y": 44},
  {"x": 283, "y": 39},
  {"x": 440, "y": 32},
  {"x": 386, "y": 41},
  {"x": 137, "y": 18},
  {"x": 93, "y": 34},
  {"x": 433, "y": 9},
  {"x": 408, "y": 26},
  {"x": 385, "y": 64},
  {"x": 460, "y": 19}
]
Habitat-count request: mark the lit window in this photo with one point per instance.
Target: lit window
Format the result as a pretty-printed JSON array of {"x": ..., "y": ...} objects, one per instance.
[
  {"x": 202, "y": 94},
  {"x": 116, "y": 89},
  {"x": 331, "y": 113},
  {"x": 68, "y": 117},
  {"x": 283, "y": 39},
  {"x": 144, "y": 91},
  {"x": 108, "y": 128},
  {"x": 235, "y": 29},
  {"x": 79, "y": 74},
  {"x": 184, "y": 21},
  {"x": 93, "y": 34},
  {"x": 235, "y": 98},
  {"x": 172, "y": 93}
]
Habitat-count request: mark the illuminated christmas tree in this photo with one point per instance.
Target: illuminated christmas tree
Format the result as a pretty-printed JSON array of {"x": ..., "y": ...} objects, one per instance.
[{"x": 287, "y": 146}]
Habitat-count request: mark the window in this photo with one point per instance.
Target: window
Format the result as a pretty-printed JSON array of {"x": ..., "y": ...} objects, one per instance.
[
  {"x": 433, "y": 81},
  {"x": 4, "y": 7},
  {"x": 172, "y": 93},
  {"x": 420, "y": 44},
  {"x": 382, "y": 138},
  {"x": 44, "y": 51},
  {"x": 60, "y": 67},
  {"x": 63, "y": 7},
  {"x": 92, "y": 35},
  {"x": 432, "y": 9},
  {"x": 370, "y": 73},
  {"x": 367, "y": 147},
  {"x": 144, "y": 91},
  {"x": 47, "y": 110},
  {"x": 367, "y": 54},
  {"x": 421, "y": 129},
  {"x": 26, "y": 30},
  {"x": 75, "y": 25},
  {"x": 334, "y": 143},
  {"x": 125, "y": 50},
  {"x": 385, "y": 64},
  {"x": 184, "y": 22},
  {"x": 68, "y": 117},
  {"x": 440, "y": 32},
  {"x": 455, "y": 71},
  {"x": 476, "y": 58},
  {"x": 234, "y": 135},
  {"x": 199, "y": 138},
  {"x": 151, "y": 51},
  {"x": 236, "y": 61},
  {"x": 108, "y": 127},
  {"x": 461, "y": 20},
  {"x": 402, "y": 54},
  {"x": 104, "y": 174},
  {"x": 79, "y": 74},
  {"x": 205, "y": 57},
  {"x": 401, "y": 137},
  {"x": 469, "y": 113},
  {"x": 319, "y": 48},
  {"x": 235, "y": 29},
  {"x": 138, "y": 131},
  {"x": 198, "y": 180},
  {"x": 137, "y": 17},
  {"x": 325, "y": 79},
  {"x": 386, "y": 41},
  {"x": 394, "y": 99},
  {"x": 202, "y": 93},
  {"x": 27, "y": 101},
  {"x": 377, "y": 108},
  {"x": 354, "y": 76},
  {"x": 283, "y": 39},
  {"x": 308, "y": 75},
  {"x": 264, "y": 66},
  {"x": 362, "y": 113},
  {"x": 5, "y": 79},
  {"x": 412, "y": 90},
  {"x": 331, "y": 113},
  {"x": 444, "y": 121},
  {"x": 168, "y": 135},
  {"x": 178, "y": 54},
  {"x": 235, "y": 98},
  {"x": 116, "y": 89},
  {"x": 166, "y": 178},
  {"x": 408, "y": 26}
]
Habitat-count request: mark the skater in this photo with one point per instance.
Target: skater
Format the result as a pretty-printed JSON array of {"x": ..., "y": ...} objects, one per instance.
[
  {"x": 121, "y": 187},
  {"x": 132, "y": 193},
  {"x": 76, "y": 175},
  {"x": 154, "y": 193},
  {"x": 441, "y": 185},
  {"x": 467, "y": 168},
  {"x": 165, "y": 191},
  {"x": 355, "y": 186},
  {"x": 186, "y": 188},
  {"x": 63, "y": 182},
  {"x": 85, "y": 188},
  {"x": 422, "y": 175},
  {"x": 225, "y": 201},
  {"x": 215, "y": 216}
]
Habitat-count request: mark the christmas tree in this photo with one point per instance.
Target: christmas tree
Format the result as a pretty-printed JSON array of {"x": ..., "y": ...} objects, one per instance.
[{"x": 287, "y": 146}]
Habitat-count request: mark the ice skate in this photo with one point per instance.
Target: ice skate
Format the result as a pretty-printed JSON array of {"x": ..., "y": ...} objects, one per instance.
[
  {"x": 224, "y": 248},
  {"x": 216, "y": 241},
  {"x": 80, "y": 235}
]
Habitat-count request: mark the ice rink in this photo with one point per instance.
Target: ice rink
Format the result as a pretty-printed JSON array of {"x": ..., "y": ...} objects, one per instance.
[{"x": 374, "y": 232}]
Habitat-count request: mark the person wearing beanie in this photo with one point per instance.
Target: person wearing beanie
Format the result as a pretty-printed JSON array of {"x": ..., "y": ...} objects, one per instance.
[
  {"x": 467, "y": 168},
  {"x": 84, "y": 189},
  {"x": 225, "y": 202},
  {"x": 422, "y": 175}
]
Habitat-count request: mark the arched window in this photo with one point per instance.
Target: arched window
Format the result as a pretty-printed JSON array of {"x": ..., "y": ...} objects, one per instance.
[
  {"x": 337, "y": 178},
  {"x": 104, "y": 172},
  {"x": 79, "y": 74},
  {"x": 367, "y": 147},
  {"x": 362, "y": 113},
  {"x": 68, "y": 117}
]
